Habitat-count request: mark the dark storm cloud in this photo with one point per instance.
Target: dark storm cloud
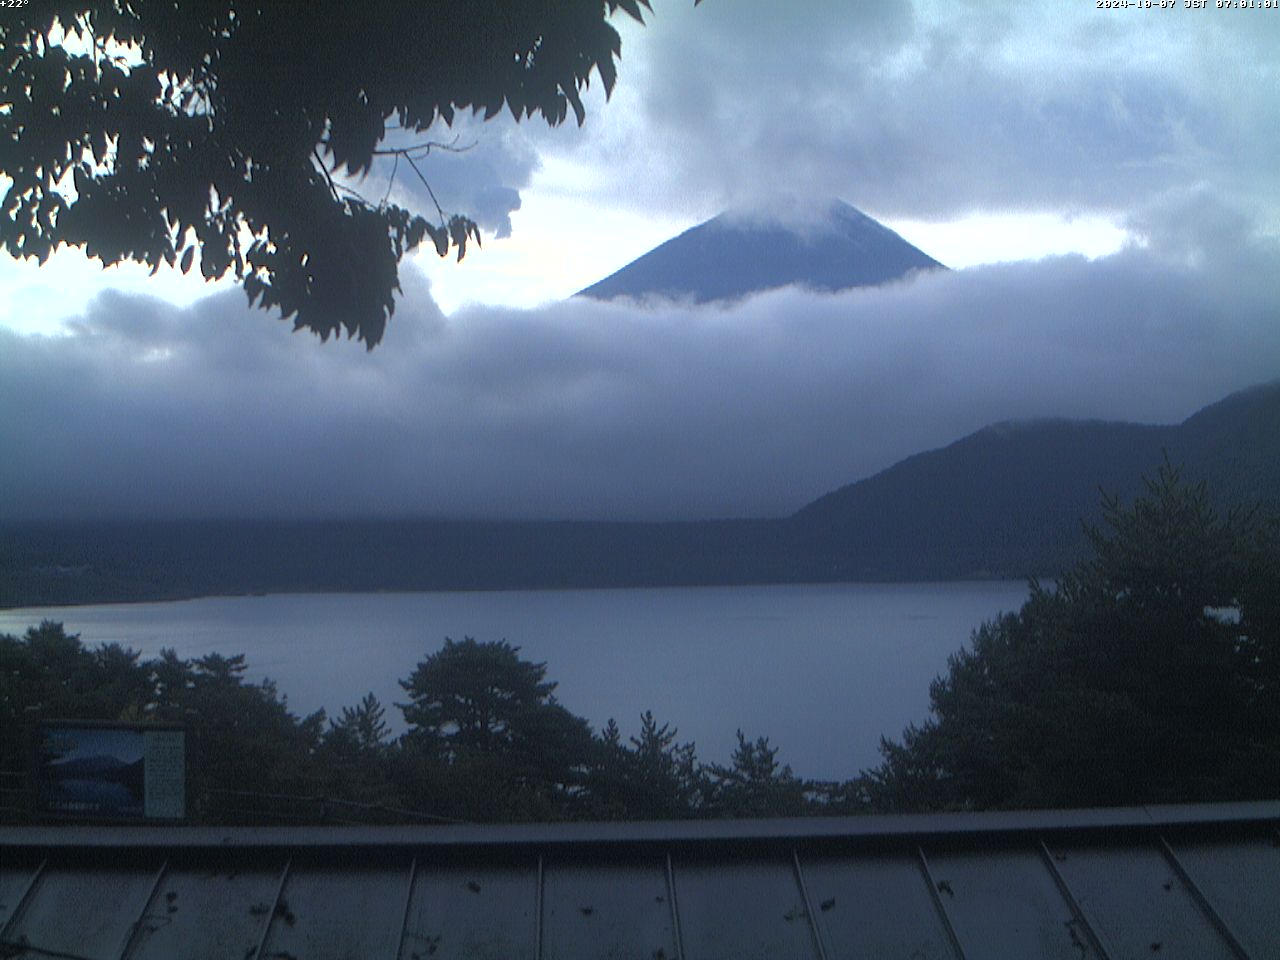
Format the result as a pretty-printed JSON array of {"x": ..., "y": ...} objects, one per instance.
[{"x": 585, "y": 409}]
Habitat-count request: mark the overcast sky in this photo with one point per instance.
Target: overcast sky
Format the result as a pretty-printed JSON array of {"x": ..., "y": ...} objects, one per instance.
[{"x": 1105, "y": 183}]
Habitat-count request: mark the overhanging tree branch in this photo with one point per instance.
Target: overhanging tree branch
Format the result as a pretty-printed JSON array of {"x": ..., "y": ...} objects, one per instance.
[{"x": 276, "y": 85}]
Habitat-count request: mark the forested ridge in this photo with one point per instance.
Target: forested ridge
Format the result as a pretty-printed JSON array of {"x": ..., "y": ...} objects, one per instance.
[
  {"x": 1149, "y": 672},
  {"x": 1005, "y": 502}
]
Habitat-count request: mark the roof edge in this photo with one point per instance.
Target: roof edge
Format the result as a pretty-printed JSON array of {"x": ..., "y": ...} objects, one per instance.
[{"x": 795, "y": 830}]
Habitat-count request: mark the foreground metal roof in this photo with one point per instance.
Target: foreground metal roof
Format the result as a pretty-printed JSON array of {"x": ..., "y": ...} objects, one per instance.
[{"x": 1197, "y": 882}]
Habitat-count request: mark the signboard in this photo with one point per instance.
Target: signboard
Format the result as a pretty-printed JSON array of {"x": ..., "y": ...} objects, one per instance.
[{"x": 111, "y": 771}]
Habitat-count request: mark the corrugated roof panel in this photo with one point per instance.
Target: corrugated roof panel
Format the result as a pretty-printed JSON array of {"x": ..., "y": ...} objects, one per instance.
[
  {"x": 875, "y": 906},
  {"x": 206, "y": 913},
  {"x": 15, "y": 879},
  {"x": 862, "y": 887},
  {"x": 305, "y": 923},
  {"x": 86, "y": 911},
  {"x": 1242, "y": 882},
  {"x": 1005, "y": 903},
  {"x": 741, "y": 909},
  {"x": 1139, "y": 904},
  {"x": 607, "y": 910},
  {"x": 472, "y": 912}
]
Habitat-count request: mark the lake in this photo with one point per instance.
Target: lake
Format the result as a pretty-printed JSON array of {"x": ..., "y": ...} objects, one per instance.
[{"x": 822, "y": 670}]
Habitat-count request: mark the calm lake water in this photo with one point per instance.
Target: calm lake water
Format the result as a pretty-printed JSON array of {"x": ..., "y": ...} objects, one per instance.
[{"x": 822, "y": 670}]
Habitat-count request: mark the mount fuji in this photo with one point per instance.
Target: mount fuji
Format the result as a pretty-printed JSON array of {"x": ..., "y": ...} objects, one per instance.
[{"x": 734, "y": 255}]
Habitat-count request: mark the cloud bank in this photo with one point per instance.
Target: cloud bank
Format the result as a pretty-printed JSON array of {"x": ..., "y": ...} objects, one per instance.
[{"x": 590, "y": 410}]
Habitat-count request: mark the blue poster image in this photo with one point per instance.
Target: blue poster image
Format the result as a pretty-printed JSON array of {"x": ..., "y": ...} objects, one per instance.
[{"x": 91, "y": 771}]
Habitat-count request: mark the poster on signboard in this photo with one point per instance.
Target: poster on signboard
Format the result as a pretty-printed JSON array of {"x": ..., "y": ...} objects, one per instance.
[{"x": 111, "y": 771}]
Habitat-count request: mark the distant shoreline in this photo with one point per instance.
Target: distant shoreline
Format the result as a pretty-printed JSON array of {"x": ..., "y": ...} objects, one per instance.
[
  {"x": 1009, "y": 502},
  {"x": 9, "y": 608}
]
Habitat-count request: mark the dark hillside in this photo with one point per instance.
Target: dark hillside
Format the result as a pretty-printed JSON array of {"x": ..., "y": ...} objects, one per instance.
[
  {"x": 1003, "y": 502},
  {"x": 1007, "y": 501},
  {"x": 1235, "y": 445}
]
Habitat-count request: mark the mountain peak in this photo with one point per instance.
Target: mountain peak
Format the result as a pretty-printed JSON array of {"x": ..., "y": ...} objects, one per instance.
[{"x": 831, "y": 246}]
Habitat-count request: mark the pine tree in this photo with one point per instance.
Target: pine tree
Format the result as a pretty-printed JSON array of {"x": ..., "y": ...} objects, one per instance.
[{"x": 1147, "y": 674}]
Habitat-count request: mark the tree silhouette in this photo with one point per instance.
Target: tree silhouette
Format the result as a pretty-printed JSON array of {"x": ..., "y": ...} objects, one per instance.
[
  {"x": 1148, "y": 674},
  {"x": 353, "y": 755},
  {"x": 49, "y": 673},
  {"x": 754, "y": 784},
  {"x": 474, "y": 696},
  {"x": 150, "y": 131},
  {"x": 652, "y": 776},
  {"x": 487, "y": 739},
  {"x": 363, "y": 727},
  {"x": 243, "y": 739}
]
